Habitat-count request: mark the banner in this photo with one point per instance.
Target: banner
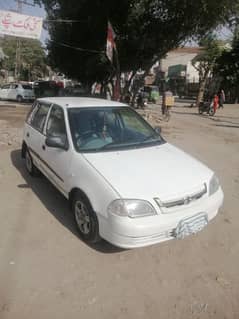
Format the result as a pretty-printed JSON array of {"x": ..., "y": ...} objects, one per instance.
[
  {"x": 20, "y": 25},
  {"x": 110, "y": 45}
]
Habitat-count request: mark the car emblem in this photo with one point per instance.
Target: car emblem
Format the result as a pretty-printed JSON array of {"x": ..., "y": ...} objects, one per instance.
[{"x": 187, "y": 200}]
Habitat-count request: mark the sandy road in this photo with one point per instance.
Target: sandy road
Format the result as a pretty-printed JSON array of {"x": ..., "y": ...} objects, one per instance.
[{"x": 46, "y": 271}]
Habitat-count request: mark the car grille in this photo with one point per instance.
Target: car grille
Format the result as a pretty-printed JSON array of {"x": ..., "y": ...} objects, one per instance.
[{"x": 170, "y": 205}]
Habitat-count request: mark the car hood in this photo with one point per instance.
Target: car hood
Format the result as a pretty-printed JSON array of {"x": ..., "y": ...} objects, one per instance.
[{"x": 161, "y": 171}]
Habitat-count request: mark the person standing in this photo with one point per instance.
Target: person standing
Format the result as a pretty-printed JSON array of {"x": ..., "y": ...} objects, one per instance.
[
  {"x": 215, "y": 103},
  {"x": 221, "y": 96}
]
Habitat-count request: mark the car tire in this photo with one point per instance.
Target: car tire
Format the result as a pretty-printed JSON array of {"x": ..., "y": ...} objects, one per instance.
[
  {"x": 30, "y": 167},
  {"x": 19, "y": 99},
  {"x": 85, "y": 218},
  {"x": 211, "y": 112}
]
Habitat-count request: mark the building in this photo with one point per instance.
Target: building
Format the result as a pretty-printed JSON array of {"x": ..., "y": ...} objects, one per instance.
[{"x": 180, "y": 74}]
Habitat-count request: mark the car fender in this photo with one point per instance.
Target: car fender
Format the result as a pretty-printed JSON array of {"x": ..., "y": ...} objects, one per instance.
[{"x": 88, "y": 180}]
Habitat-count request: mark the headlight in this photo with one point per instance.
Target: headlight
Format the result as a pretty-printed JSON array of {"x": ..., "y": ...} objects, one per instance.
[
  {"x": 213, "y": 185},
  {"x": 133, "y": 208}
]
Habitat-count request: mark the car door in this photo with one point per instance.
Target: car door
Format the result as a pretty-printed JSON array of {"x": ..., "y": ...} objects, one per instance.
[
  {"x": 12, "y": 94},
  {"x": 4, "y": 92},
  {"x": 58, "y": 160},
  {"x": 34, "y": 132}
]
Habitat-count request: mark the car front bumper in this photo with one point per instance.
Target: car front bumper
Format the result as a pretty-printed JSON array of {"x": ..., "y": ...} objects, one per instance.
[{"x": 138, "y": 232}]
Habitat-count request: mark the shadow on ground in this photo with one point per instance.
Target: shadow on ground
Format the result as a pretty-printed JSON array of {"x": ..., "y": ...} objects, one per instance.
[
  {"x": 55, "y": 202},
  {"x": 216, "y": 118},
  {"x": 230, "y": 126}
]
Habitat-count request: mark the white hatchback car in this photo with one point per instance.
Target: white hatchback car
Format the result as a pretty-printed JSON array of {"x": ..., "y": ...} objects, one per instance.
[
  {"x": 17, "y": 92},
  {"x": 125, "y": 183}
]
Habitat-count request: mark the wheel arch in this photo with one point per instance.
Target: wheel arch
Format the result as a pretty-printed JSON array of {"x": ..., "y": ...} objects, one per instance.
[{"x": 79, "y": 191}]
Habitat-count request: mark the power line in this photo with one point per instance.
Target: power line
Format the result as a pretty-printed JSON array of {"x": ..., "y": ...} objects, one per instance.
[
  {"x": 76, "y": 48},
  {"x": 65, "y": 21}
]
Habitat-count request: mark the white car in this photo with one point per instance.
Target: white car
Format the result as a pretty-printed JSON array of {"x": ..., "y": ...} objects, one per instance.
[
  {"x": 125, "y": 183},
  {"x": 17, "y": 92}
]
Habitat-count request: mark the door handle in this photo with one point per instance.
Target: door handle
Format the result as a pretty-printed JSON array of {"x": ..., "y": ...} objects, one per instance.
[
  {"x": 28, "y": 135},
  {"x": 43, "y": 147}
]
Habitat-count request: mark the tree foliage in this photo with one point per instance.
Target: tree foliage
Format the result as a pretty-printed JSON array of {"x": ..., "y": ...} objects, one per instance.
[
  {"x": 228, "y": 67},
  {"x": 32, "y": 57},
  {"x": 146, "y": 30},
  {"x": 205, "y": 62}
]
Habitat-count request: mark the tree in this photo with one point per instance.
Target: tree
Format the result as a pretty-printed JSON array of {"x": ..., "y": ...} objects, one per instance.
[
  {"x": 228, "y": 68},
  {"x": 32, "y": 57},
  {"x": 146, "y": 30},
  {"x": 206, "y": 60}
]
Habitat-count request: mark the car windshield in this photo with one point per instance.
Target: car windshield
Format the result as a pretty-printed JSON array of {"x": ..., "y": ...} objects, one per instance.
[{"x": 101, "y": 129}]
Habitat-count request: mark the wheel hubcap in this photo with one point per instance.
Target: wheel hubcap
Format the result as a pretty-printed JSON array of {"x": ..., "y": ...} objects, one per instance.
[
  {"x": 28, "y": 162},
  {"x": 82, "y": 217}
]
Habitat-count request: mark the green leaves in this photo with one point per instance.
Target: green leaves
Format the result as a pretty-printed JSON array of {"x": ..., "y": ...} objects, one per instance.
[
  {"x": 32, "y": 56},
  {"x": 146, "y": 30}
]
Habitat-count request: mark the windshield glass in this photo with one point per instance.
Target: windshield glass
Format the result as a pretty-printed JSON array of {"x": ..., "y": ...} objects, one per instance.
[{"x": 100, "y": 129}]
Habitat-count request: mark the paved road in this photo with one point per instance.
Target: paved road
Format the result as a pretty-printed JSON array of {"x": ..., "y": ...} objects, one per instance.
[{"x": 47, "y": 272}]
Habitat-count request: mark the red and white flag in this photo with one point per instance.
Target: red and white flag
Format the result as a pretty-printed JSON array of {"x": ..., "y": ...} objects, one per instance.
[{"x": 110, "y": 46}]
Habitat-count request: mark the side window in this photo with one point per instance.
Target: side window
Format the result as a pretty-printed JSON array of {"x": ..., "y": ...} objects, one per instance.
[
  {"x": 56, "y": 123},
  {"x": 38, "y": 116},
  {"x": 6, "y": 87},
  {"x": 32, "y": 112}
]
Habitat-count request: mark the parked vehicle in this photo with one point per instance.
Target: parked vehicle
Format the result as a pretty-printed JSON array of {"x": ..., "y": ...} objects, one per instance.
[
  {"x": 46, "y": 88},
  {"x": 125, "y": 183},
  {"x": 153, "y": 93},
  {"x": 17, "y": 92},
  {"x": 141, "y": 100}
]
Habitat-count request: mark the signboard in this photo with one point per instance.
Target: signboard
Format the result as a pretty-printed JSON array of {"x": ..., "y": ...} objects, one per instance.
[{"x": 20, "y": 25}]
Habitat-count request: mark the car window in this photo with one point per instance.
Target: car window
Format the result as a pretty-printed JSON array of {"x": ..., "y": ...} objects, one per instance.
[
  {"x": 56, "y": 122},
  {"x": 38, "y": 116},
  {"x": 13, "y": 86},
  {"x": 26, "y": 87},
  {"x": 7, "y": 86},
  {"x": 32, "y": 112}
]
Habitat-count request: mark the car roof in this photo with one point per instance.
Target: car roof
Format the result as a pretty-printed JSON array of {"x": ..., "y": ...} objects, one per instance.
[{"x": 71, "y": 102}]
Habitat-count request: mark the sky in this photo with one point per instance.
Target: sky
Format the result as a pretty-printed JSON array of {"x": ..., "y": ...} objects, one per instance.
[{"x": 28, "y": 10}]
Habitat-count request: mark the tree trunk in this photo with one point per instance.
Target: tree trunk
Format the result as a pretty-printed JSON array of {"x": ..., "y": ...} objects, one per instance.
[{"x": 202, "y": 86}]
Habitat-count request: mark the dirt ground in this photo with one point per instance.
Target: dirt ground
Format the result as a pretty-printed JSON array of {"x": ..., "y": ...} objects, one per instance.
[{"x": 47, "y": 272}]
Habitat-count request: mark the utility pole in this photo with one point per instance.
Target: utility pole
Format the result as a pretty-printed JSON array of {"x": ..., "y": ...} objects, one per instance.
[{"x": 18, "y": 47}]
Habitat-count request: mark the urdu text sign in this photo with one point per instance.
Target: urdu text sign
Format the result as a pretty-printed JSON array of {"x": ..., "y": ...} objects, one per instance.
[{"x": 20, "y": 25}]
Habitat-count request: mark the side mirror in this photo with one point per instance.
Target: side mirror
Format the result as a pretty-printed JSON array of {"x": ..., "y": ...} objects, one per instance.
[
  {"x": 57, "y": 142},
  {"x": 158, "y": 129}
]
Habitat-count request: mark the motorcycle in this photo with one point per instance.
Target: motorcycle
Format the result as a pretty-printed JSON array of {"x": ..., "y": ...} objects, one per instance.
[
  {"x": 206, "y": 107},
  {"x": 141, "y": 102}
]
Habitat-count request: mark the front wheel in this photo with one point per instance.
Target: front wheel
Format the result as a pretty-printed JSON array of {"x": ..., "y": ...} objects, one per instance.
[
  {"x": 19, "y": 99},
  {"x": 211, "y": 112},
  {"x": 86, "y": 219},
  {"x": 31, "y": 168}
]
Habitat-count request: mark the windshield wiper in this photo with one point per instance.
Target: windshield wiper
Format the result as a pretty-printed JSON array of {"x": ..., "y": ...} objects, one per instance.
[
  {"x": 106, "y": 146},
  {"x": 154, "y": 135}
]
